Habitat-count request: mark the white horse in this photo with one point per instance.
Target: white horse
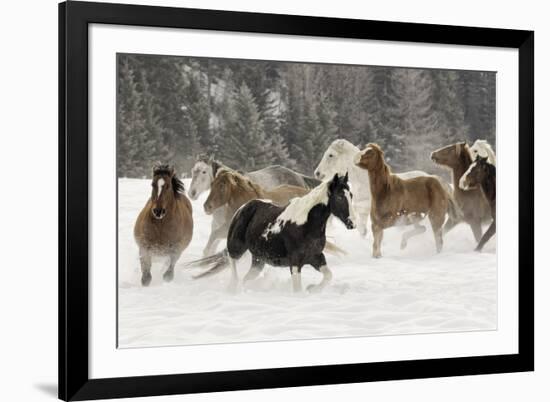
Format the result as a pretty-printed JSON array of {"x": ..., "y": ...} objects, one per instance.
[
  {"x": 338, "y": 159},
  {"x": 483, "y": 149}
]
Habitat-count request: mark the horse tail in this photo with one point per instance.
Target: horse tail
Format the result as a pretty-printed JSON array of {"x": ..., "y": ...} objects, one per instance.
[
  {"x": 311, "y": 182},
  {"x": 219, "y": 260},
  {"x": 333, "y": 249}
]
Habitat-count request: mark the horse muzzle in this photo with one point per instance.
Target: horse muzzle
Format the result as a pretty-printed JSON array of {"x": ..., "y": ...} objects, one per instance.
[
  {"x": 350, "y": 224},
  {"x": 208, "y": 209},
  {"x": 193, "y": 195},
  {"x": 158, "y": 213}
]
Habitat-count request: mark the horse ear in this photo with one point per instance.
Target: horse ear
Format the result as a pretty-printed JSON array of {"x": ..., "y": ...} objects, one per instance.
[
  {"x": 210, "y": 158},
  {"x": 346, "y": 177}
]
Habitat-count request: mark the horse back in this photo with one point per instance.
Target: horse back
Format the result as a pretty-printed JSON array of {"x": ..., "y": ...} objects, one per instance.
[
  {"x": 248, "y": 219},
  {"x": 281, "y": 195}
]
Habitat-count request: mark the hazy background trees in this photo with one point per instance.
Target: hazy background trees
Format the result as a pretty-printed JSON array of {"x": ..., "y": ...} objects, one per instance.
[{"x": 251, "y": 114}]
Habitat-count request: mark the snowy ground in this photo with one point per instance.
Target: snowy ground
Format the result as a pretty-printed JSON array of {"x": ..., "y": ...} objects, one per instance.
[{"x": 404, "y": 292}]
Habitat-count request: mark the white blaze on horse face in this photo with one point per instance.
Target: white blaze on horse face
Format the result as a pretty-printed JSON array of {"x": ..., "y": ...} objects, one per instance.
[
  {"x": 202, "y": 179},
  {"x": 351, "y": 209},
  {"x": 160, "y": 185},
  {"x": 462, "y": 182}
]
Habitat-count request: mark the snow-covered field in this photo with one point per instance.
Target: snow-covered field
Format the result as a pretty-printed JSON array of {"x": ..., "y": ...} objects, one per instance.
[{"x": 404, "y": 292}]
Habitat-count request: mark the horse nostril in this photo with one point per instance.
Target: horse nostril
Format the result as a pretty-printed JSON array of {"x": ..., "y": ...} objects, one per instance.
[
  {"x": 193, "y": 193},
  {"x": 158, "y": 212}
]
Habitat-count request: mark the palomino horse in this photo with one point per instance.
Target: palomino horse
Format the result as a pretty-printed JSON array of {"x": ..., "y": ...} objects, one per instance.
[
  {"x": 482, "y": 174},
  {"x": 397, "y": 201},
  {"x": 204, "y": 172},
  {"x": 233, "y": 190},
  {"x": 291, "y": 236},
  {"x": 164, "y": 226},
  {"x": 473, "y": 205},
  {"x": 483, "y": 149},
  {"x": 338, "y": 159}
]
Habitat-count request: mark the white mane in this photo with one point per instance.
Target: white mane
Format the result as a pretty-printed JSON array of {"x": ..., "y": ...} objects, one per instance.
[
  {"x": 299, "y": 207},
  {"x": 483, "y": 149}
]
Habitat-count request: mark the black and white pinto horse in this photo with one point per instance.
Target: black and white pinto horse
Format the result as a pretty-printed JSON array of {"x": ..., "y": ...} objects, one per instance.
[
  {"x": 203, "y": 173},
  {"x": 291, "y": 236}
]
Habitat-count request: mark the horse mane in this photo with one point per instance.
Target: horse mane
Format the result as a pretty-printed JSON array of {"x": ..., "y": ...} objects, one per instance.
[
  {"x": 464, "y": 156},
  {"x": 240, "y": 181},
  {"x": 177, "y": 185},
  {"x": 298, "y": 208},
  {"x": 486, "y": 146}
]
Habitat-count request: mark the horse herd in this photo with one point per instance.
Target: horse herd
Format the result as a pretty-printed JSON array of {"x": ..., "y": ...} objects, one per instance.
[{"x": 280, "y": 216}]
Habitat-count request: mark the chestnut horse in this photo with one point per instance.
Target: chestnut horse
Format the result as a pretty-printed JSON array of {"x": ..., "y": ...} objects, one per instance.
[
  {"x": 164, "y": 226},
  {"x": 472, "y": 203},
  {"x": 397, "y": 201},
  {"x": 482, "y": 174}
]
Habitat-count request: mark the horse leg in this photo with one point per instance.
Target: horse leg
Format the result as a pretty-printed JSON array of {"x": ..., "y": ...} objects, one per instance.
[
  {"x": 487, "y": 235},
  {"x": 418, "y": 229},
  {"x": 255, "y": 269},
  {"x": 145, "y": 261},
  {"x": 321, "y": 266},
  {"x": 378, "y": 234},
  {"x": 450, "y": 224},
  {"x": 168, "y": 275},
  {"x": 476, "y": 229},
  {"x": 296, "y": 274},
  {"x": 437, "y": 222},
  {"x": 216, "y": 235},
  {"x": 234, "y": 283}
]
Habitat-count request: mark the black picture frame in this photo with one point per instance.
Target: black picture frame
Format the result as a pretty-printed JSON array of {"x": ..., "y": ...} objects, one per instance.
[{"x": 74, "y": 381}]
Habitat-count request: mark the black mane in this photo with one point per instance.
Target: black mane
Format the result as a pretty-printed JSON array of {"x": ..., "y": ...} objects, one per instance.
[{"x": 165, "y": 169}]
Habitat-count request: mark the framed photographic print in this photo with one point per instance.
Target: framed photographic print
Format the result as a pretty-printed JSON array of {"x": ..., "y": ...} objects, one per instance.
[{"x": 258, "y": 201}]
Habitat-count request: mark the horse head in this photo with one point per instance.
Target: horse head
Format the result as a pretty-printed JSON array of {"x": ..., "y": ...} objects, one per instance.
[
  {"x": 371, "y": 158},
  {"x": 336, "y": 159},
  {"x": 452, "y": 155},
  {"x": 220, "y": 191},
  {"x": 202, "y": 176},
  {"x": 162, "y": 192},
  {"x": 475, "y": 174},
  {"x": 340, "y": 200}
]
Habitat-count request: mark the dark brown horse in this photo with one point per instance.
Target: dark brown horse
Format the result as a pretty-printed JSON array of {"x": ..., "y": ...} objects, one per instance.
[
  {"x": 164, "y": 226},
  {"x": 473, "y": 204},
  {"x": 482, "y": 174},
  {"x": 397, "y": 201}
]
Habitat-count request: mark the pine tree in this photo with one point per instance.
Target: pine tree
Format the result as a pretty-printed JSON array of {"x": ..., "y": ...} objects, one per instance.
[
  {"x": 244, "y": 141},
  {"x": 130, "y": 124}
]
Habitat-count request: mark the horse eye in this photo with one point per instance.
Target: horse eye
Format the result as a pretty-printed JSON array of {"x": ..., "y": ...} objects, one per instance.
[
  {"x": 204, "y": 172},
  {"x": 330, "y": 155}
]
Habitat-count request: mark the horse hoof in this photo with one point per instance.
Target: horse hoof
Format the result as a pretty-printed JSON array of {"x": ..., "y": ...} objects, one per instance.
[
  {"x": 377, "y": 256},
  {"x": 403, "y": 245},
  {"x": 314, "y": 289},
  {"x": 146, "y": 279},
  {"x": 168, "y": 276}
]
